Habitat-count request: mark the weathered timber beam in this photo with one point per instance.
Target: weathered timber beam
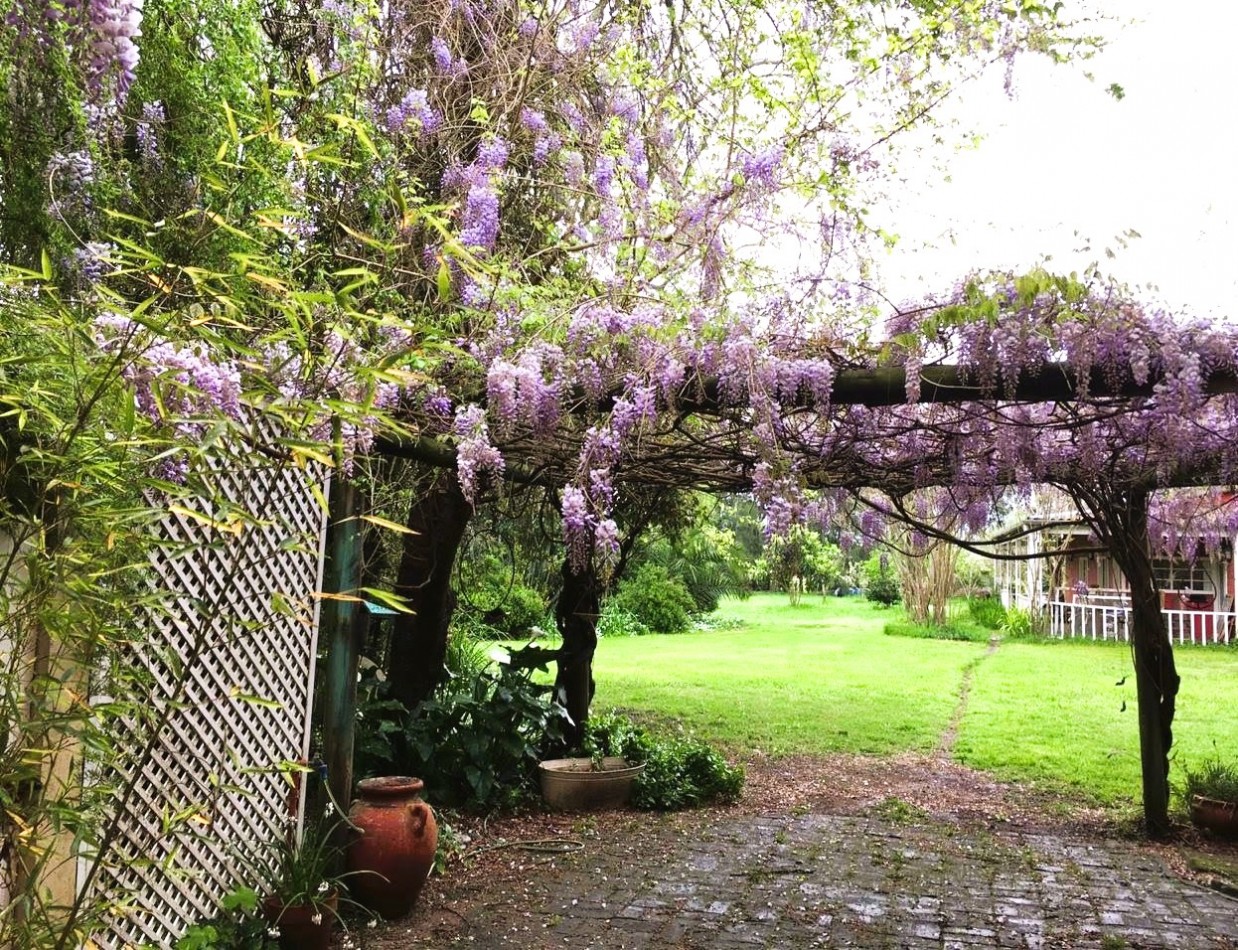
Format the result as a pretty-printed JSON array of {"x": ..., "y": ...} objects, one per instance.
[
  {"x": 887, "y": 386},
  {"x": 442, "y": 455}
]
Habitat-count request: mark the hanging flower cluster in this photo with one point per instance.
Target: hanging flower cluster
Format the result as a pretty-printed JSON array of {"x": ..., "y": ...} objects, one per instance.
[
  {"x": 181, "y": 388},
  {"x": 103, "y": 35},
  {"x": 560, "y": 187}
]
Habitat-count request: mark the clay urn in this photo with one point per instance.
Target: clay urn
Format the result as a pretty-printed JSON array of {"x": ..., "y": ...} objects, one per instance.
[{"x": 393, "y": 845}]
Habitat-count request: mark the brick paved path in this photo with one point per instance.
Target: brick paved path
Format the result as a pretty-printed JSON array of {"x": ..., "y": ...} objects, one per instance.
[{"x": 814, "y": 880}]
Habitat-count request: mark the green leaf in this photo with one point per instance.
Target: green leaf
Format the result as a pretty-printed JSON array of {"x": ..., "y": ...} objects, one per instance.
[
  {"x": 263, "y": 702},
  {"x": 388, "y": 599},
  {"x": 243, "y": 899},
  {"x": 389, "y": 525},
  {"x": 231, "y": 120},
  {"x": 444, "y": 282}
]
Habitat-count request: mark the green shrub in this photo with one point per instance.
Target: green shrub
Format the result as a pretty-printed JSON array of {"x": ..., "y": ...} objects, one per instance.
[
  {"x": 615, "y": 621},
  {"x": 523, "y": 609},
  {"x": 987, "y": 611},
  {"x": 1213, "y": 779},
  {"x": 656, "y": 599},
  {"x": 704, "y": 589},
  {"x": 883, "y": 589},
  {"x": 680, "y": 772},
  {"x": 501, "y": 611},
  {"x": 1020, "y": 624},
  {"x": 478, "y": 742},
  {"x": 238, "y": 925},
  {"x": 952, "y": 630}
]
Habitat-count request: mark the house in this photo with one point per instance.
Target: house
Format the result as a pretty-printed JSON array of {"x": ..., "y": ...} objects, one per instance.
[{"x": 1081, "y": 592}]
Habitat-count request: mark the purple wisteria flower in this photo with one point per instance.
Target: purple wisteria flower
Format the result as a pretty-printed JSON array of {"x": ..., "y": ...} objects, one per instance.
[
  {"x": 415, "y": 106},
  {"x": 111, "y": 330},
  {"x": 574, "y": 168},
  {"x": 545, "y": 146},
  {"x": 111, "y": 47},
  {"x": 69, "y": 174},
  {"x": 581, "y": 37},
  {"x": 610, "y": 220},
  {"x": 474, "y": 453},
  {"x": 480, "y": 220},
  {"x": 626, "y": 107},
  {"x": 438, "y": 404},
  {"x": 441, "y": 53},
  {"x": 71, "y": 170},
  {"x": 603, "y": 174},
  {"x": 911, "y": 368},
  {"x": 577, "y": 526},
  {"x": 492, "y": 154},
  {"x": 636, "y": 161},
  {"x": 91, "y": 261},
  {"x": 473, "y": 294},
  {"x": 573, "y": 117},
  {"x": 533, "y": 120},
  {"x": 606, "y": 541},
  {"x": 147, "y": 131},
  {"x": 762, "y": 168},
  {"x": 180, "y": 385}
]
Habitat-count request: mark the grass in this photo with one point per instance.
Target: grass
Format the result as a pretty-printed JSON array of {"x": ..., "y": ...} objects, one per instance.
[
  {"x": 1052, "y": 713},
  {"x": 818, "y": 677},
  {"x": 821, "y": 677},
  {"x": 955, "y": 628}
]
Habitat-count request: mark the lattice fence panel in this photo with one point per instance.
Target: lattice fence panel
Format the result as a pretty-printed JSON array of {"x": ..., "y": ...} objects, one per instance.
[{"x": 229, "y": 658}]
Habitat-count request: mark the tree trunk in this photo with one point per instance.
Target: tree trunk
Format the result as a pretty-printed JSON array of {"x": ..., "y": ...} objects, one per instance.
[
  {"x": 419, "y": 640},
  {"x": 576, "y": 615},
  {"x": 1156, "y": 676},
  {"x": 927, "y": 578}
]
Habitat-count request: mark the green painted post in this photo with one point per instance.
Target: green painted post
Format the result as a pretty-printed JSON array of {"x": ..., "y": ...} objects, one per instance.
[{"x": 343, "y": 624}]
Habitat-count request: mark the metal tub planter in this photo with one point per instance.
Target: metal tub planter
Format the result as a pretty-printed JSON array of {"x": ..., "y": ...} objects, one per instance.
[{"x": 588, "y": 784}]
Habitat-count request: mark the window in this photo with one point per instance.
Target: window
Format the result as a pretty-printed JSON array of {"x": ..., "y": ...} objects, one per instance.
[{"x": 1180, "y": 575}]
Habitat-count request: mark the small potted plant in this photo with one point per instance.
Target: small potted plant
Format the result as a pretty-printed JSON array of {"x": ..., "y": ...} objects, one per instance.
[
  {"x": 1211, "y": 794},
  {"x": 302, "y": 902}
]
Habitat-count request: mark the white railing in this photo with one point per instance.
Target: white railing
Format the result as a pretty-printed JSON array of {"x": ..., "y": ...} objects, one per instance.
[{"x": 1110, "y": 621}]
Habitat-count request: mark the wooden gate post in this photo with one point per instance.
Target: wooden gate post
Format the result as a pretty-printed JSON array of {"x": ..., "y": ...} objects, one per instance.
[{"x": 343, "y": 625}]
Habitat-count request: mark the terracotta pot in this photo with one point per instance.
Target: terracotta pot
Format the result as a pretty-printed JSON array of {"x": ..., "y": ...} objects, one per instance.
[
  {"x": 577, "y": 785},
  {"x": 391, "y": 856},
  {"x": 296, "y": 922},
  {"x": 1219, "y": 817}
]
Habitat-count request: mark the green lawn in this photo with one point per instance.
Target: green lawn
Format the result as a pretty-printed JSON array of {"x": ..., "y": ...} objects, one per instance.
[
  {"x": 1052, "y": 712},
  {"x": 821, "y": 677}
]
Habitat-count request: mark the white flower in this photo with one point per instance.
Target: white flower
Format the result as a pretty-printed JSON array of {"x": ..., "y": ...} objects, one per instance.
[
  {"x": 273, "y": 932},
  {"x": 323, "y": 887},
  {"x": 373, "y": 923},
  {"x": 316, "y": 919}
]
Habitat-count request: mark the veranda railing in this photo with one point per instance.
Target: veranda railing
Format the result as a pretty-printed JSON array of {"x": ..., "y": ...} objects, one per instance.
[{"x": 1111, "y": 621}]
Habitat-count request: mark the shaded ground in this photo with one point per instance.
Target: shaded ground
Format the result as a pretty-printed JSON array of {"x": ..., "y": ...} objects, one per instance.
[{"x": 907, "y": 852}]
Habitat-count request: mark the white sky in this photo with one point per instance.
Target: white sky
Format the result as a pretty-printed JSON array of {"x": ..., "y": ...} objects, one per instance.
[{"x": 1065, "y": 166}]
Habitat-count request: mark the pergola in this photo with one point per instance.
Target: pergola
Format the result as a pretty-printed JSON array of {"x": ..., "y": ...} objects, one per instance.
[{"x": 705, "y": 444}]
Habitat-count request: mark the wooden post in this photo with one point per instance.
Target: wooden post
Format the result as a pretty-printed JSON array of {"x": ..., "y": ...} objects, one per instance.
[{"x": 343, "y": 624}]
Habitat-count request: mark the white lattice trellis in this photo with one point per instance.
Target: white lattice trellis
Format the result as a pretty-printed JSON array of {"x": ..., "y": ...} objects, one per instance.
[{"x": 239, "y": 627}]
